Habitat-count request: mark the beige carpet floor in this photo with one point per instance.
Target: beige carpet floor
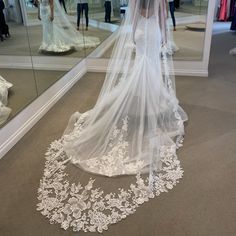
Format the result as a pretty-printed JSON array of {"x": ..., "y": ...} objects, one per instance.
[{"x": 202, "y": 204}]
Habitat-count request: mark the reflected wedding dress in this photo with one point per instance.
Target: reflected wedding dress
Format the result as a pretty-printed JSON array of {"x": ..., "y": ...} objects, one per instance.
[
  {"x": 134, "y": 129},
  {"x": 59, "y": 34},
  {"x": 4, "y": 110}
]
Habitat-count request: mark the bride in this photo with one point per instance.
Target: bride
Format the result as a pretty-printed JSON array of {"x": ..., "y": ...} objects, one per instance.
[
  {"x": 134, "y": 128},
  {"x": 59, "y": 34}
]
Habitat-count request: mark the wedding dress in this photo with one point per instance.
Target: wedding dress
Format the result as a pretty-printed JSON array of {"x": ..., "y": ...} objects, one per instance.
[
  {"x": 134, "y": 129},
  {"x": 59, "y": 34},
  {"x": 4, "y": 110}
]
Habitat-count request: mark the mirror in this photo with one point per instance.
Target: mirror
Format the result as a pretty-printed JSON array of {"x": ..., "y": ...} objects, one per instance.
[
  {"x": 38, "y": 51},
  {"x": 190, "y": 17},
  {"x": 100, "y": 25},
  {"x": 17, "y": 81},
  {"x": 30, "y": 59},
  {"x": 189, "y": 33}
]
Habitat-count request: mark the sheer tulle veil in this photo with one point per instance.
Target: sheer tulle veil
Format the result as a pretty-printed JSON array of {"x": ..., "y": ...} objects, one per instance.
[{"x": 135, "y": 128}]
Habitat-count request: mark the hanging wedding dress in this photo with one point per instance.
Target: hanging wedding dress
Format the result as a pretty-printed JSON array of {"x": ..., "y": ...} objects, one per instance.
[
  {"x": 134, "y": 129},
  {"x": 4, "y": 110},
  {"x": 59, "y": 34}
]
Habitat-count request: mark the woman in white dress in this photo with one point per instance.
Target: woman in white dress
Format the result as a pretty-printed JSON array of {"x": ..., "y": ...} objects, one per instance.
[
  {"x": 59, "y": 34},
  {"x": 134, "y": 129}
]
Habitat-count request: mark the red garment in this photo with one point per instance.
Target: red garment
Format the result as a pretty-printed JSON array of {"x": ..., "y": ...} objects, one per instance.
[{"x": 223, "y": 10}]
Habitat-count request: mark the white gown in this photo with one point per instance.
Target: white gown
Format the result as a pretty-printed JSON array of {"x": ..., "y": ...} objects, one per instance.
[
  {"x": 60, "y": 34},
  {"x": 134, "y": 128}
]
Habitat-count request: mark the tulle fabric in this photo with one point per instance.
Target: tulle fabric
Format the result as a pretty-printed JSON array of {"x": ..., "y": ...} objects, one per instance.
[
  {"x": 137, "y": 112},
  {"x": 60, "y": 35},
  {"x": 134, "y": 128}
]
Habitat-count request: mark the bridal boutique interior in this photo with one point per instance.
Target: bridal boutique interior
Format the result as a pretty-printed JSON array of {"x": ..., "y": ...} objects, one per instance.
[{"x": 48, "y": 87}]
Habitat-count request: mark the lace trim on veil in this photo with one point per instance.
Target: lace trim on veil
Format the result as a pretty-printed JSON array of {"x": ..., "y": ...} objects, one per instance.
[{"x": 88, "y": 208}]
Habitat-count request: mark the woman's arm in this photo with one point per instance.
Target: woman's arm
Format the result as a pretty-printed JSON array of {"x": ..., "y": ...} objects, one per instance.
[
  {"x": 163, "y": 9},
  {"x": 133, "y": 15},
  {"x": 51, "y": 9}
]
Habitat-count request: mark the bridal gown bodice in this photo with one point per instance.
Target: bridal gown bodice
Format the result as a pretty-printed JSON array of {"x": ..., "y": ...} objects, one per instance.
[{"x": 147, "y": 37}]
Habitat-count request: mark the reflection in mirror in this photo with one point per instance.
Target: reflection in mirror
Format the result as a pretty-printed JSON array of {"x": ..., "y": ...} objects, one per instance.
[
  {"x": 189, "y": 18},
  {"x": 103, "y": 18},
  {"x": 56, "y": 44},
  {"x": 17, "y": 83}
]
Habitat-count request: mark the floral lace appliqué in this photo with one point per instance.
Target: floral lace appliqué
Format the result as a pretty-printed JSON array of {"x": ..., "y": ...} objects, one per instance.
[{"x": 87, "y": 208}]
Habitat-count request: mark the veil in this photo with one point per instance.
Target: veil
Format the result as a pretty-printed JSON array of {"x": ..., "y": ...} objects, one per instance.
[
  {"x": 135, "y": 128},
  {"x": 60, "y": 34},
  {"x": 123, "y": 100}
]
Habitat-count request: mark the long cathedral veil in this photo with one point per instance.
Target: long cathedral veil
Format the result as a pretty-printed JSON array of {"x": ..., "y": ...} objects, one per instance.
[
  {"x": 138, "y": 89},
  {"x": 134, "y": 128},
  {"x": 61, "y": 33}
]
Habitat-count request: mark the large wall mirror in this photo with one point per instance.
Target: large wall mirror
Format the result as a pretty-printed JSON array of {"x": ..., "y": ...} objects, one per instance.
[
  {"x": 42, "y": 46},
  {"x": 17, "y": 81},
  {"x": 45, "y": 44},
  {"x": 191, "y": 16},
  {"x": 188, "y": 35}
]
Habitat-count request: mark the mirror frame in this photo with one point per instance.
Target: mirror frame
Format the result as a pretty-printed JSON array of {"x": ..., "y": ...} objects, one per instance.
[
  {"x": 182, "y": 67},
  {"x": 17, "y": 127}
]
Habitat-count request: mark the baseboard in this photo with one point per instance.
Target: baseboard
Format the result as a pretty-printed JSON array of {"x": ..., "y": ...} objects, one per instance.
[
  {"x": 14, "y": 130},
  {"x": 182, "y": 68},
  {"x": 39, "y": 62}
]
